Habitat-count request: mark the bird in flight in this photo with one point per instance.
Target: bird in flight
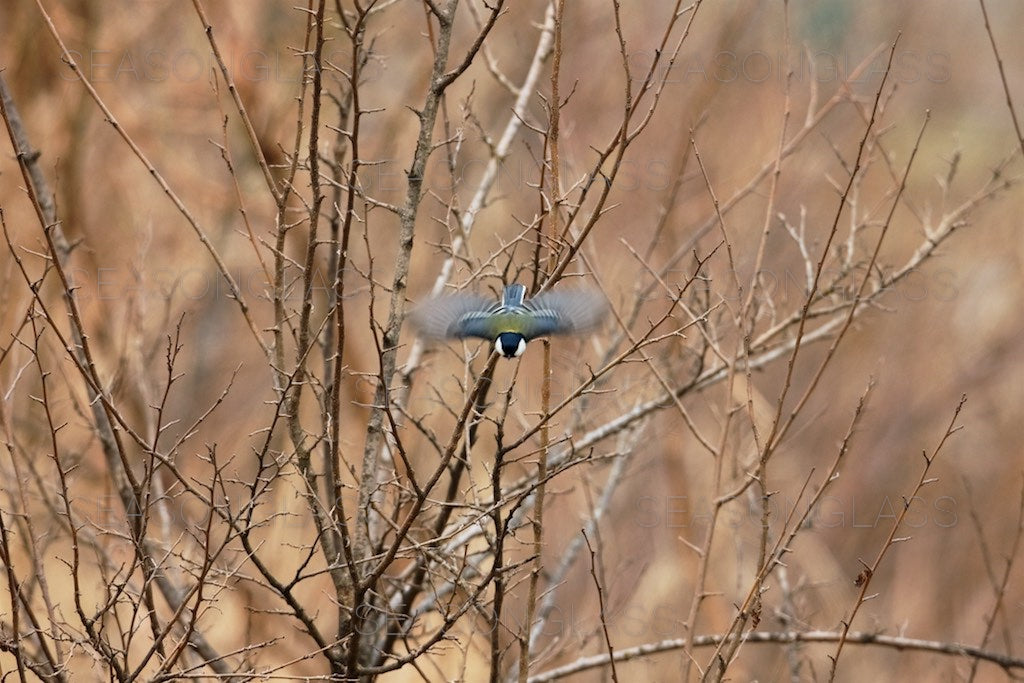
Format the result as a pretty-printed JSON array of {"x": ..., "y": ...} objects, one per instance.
[{"x": 513, "y": 321}]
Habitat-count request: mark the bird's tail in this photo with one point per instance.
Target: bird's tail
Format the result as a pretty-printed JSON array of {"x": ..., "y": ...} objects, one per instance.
[{"x": 513, "y": 296}]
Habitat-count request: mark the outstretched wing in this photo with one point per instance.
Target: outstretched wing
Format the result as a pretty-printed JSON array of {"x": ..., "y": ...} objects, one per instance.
[
  {"x": 454, "y": 316},
  {"x": 562, "y": 312},
  {"x": 468, "y": 315}
]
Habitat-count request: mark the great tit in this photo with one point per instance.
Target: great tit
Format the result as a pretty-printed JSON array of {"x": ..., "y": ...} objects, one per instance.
[{"x": 513, "y": 321}]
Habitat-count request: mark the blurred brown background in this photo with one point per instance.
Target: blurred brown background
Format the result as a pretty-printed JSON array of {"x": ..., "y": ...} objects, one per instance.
[{"x": 952, "y": 328}]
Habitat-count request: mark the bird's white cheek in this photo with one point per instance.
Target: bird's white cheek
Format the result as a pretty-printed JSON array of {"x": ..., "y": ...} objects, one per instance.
[
  {"x": 497, "y": 346},
  {"x": 520, "y": 348}
]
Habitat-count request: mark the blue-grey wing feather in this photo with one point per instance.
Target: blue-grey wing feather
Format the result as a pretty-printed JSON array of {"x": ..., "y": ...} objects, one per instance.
[
  {"x": 453, "y": 316},
  {"x": 564, "y": 312},
  {"x": 476, "y": 324}
]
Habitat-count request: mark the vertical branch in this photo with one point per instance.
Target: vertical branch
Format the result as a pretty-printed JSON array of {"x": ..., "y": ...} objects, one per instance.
[
  {"x": 334, "y": 358},
  {"x": 329, "y": 538},
  {"x": 744, "y": 314},
  {"x": 282, "y": 319},
  {"x": 407, "y": 228},
  {"x": 17, "y": 600},
  {"x": 32, "y": 540},
  {"x": 305, "y": 339},
  {"x": 500, "y": 533},
  {"x": 555, "y": 191}
]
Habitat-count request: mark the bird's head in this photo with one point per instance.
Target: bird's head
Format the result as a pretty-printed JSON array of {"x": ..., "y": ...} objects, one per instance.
[{"x": 510, "y": 344}]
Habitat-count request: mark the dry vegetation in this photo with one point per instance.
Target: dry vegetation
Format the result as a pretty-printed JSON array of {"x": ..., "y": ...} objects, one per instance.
[{"x": 792, "y": 451}]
